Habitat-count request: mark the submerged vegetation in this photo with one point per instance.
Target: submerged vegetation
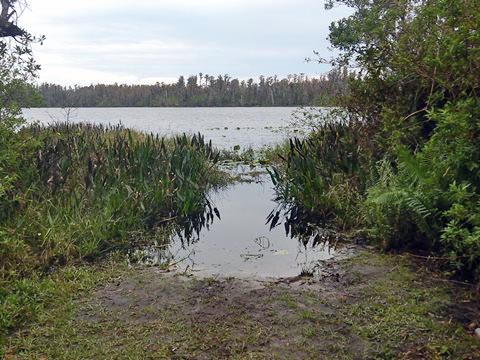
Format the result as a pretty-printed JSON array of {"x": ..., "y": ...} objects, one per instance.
[{"x": 401, "y": 161}]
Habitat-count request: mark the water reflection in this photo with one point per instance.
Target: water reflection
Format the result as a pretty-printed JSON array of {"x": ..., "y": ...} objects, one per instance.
[
  {"x": 235, "y": 240},
  {"x": 188, "y": 229},
  {"x": 302, "y": 225}
]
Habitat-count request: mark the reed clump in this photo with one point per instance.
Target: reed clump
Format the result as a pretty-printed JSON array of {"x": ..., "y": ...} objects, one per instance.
[
  {"x": 82, "y": 191},
  {"x": 322, "y": 176},
  {"x": 89, "y": 188}
]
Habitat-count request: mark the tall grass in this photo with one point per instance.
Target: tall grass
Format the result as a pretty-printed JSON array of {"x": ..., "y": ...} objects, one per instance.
[
  {"x": 91, "y": 188},
  {"x": 322, "y": 176},
  {"x": 87, "y": 190}
]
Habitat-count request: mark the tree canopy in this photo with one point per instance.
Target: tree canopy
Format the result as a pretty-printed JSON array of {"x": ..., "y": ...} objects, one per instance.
[
  {"x": 203, "y": 90},
  {"x": 404, "y": 166}
]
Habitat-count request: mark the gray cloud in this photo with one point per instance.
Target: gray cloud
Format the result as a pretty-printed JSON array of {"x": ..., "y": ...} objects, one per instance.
[{"x": 145, "y": 40}]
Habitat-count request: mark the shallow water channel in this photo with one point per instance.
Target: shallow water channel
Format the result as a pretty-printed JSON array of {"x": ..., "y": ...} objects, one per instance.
[{"x": 240, "y": 243}]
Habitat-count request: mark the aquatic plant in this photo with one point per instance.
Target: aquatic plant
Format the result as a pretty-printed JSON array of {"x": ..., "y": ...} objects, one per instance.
[
  {"x": 324, "y": 173},
  {"x": 92, "y": 188},
  {"x": 86, "y": 191}
]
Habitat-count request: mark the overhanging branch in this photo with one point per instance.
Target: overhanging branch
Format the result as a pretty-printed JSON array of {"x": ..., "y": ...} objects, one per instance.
[{"x": 8, "y": 29}]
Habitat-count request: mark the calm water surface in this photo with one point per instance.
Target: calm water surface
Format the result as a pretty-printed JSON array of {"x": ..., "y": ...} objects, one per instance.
[
  {"x": 240, "y": 244},
  {"x": 226, "y": 127}
]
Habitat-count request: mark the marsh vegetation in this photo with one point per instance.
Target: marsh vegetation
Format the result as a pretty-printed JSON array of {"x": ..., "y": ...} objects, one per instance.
[
  {"x": 83, "y": 191},
  {"x": 395, "y": 165}
]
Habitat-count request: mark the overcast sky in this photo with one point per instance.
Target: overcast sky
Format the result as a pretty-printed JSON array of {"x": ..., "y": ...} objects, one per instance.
[{"x": 144, "y": 41}]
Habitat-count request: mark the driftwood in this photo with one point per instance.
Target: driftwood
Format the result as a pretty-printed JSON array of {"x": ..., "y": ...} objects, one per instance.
[{"x": 7, "y": 27}]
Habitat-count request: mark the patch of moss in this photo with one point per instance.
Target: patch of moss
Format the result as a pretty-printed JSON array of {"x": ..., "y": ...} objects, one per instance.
[{"x": 403, "y": 310}]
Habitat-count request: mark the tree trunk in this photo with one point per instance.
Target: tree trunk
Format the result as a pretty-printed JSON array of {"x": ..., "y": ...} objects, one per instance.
[{"x": 8, "y": 28}]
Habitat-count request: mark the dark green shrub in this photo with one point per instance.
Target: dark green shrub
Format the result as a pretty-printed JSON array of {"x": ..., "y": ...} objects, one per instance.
[{"x": 431, "y": 199}]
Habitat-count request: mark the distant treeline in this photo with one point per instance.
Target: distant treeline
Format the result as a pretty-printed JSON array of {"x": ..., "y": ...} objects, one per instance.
[{"x": 203, "y": 90}]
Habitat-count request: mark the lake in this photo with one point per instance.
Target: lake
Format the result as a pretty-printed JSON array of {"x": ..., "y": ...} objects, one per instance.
[
  {"x": 240, "y": 242},
  {"x": 226, "y": 127}
]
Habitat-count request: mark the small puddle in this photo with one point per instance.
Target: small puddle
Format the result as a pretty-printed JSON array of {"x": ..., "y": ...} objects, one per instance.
[{"x": 241, "y": 244}]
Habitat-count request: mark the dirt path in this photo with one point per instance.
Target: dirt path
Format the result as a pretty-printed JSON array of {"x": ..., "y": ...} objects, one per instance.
[{"x": 368, "y": 306}]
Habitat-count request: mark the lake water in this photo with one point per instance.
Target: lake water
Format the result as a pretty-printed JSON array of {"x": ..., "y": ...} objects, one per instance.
[
  {"x": 226, "y": 127},
  {"x": 240, "y": 243}
]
